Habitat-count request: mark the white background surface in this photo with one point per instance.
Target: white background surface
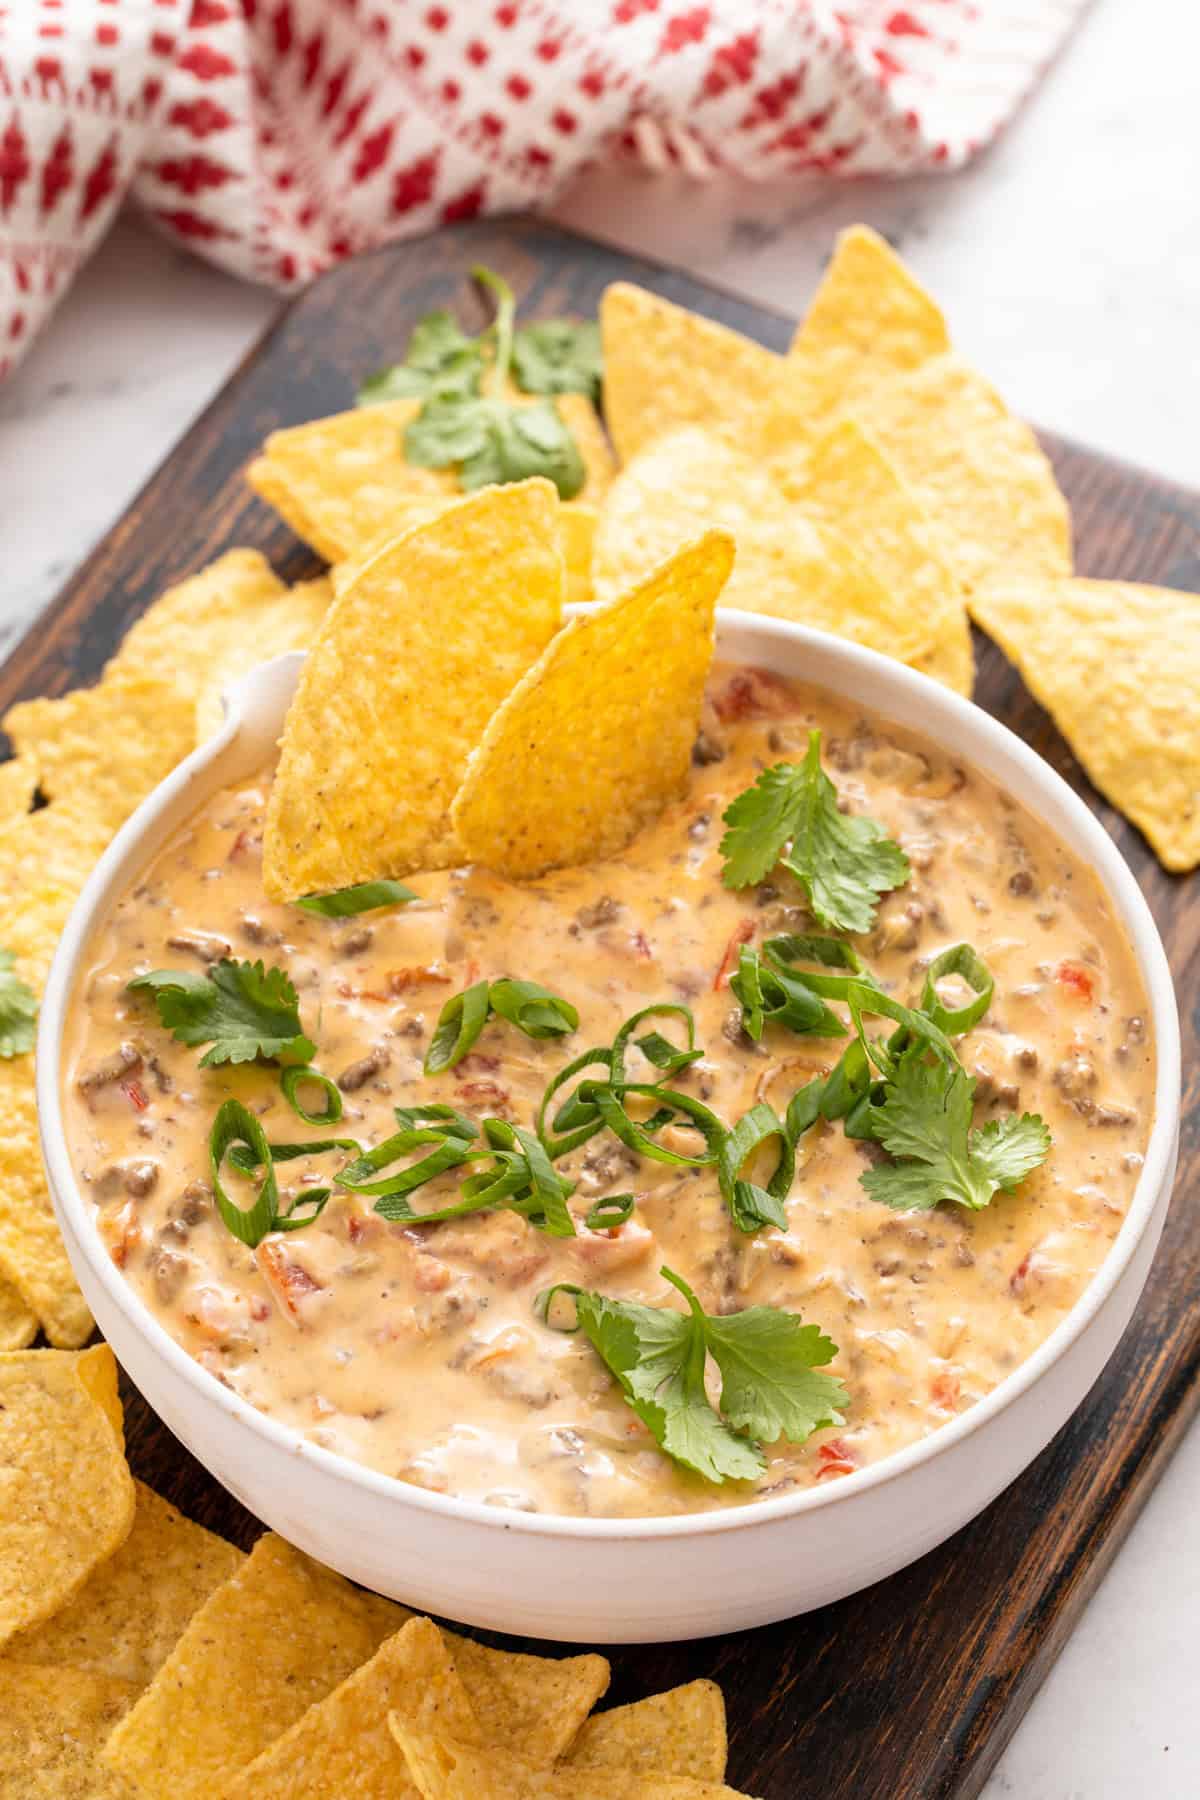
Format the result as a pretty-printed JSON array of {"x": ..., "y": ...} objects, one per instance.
[{"x": 1068, "y": 261}]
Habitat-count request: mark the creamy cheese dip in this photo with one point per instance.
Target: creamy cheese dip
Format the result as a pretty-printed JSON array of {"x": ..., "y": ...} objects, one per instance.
[{"x": 416, "y": 1350}]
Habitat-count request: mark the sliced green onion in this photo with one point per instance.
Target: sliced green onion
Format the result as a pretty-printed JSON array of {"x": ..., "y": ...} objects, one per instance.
[
  {"x": 298, "y": 1075},
  {"x": 751, "y": 1206},
  {"x": 575, "y": 1120},
  {"x": 548, "y": 1191},
  {"x": 661, "y": 1052},
  {"x": 804, "y": 1109},
  {"x": 364, "y": 896},
  {"x": 533, "y": 1009},
  {"x": 235, "y": 1125},
  {"x": 960, "y": 960},
  {"x": 610, "y": 1212},
  {"x": 452, "y": 1122},
  {"x": 362, "y": 1176},
  {"x": 244, "y": 1161},
  {"x": 308, "y": 1205},
  {"x": 543, "y": 1304},
  {"x": 459, "y": 1024},
  {"x": 767, "y": 993},
  {"x": 830, "y": 953},
  {"x": 610, "y": 1103}
]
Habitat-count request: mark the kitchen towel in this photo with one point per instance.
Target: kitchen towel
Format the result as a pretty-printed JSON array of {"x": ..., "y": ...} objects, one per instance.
[{"x": 274, "y": 137}]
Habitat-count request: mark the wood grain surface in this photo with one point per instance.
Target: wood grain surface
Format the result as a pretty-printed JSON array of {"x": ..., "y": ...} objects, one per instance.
[{"x": 911, "y": 1688}]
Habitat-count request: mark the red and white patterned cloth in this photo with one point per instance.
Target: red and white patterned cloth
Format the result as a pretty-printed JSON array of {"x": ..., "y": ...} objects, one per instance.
[{"x": 276, "y": 136}]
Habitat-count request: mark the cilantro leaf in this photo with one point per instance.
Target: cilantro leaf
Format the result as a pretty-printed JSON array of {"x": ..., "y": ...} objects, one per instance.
[
  {"x": 767, "y": 1361},
  {"x": 18, "y": 1010},
  {"x": 486, "y": 436},
  {"x": 843, "y": 861},
  {"x": 771, "y": 1385},
  {"x": 559, "y": 356},
  {"x": 439, "y": 356},
  {"x": 242, "y": 1009},
  {"x": 925, "y": 1121}
]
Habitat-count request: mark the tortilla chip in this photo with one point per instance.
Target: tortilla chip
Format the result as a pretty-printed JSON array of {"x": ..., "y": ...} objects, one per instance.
[
  {"x": 598, "y": 735},
  {"x": 446, "y": 1770},
  {"x": 289, "y": 622},
  {"x": 411, "y": 663},
  {"x": 977, "y": 471},
  {"x": 52, "y": 1721},
  {"x": 1117, "y": 666},
  {"x": 18, "y": 1322},
  {"x": 868, "y": 319},
  {"x": 32, "y": 1257},
  {"x": 127, "y": 1618},
  {"x": 786, "y": 565},
  {"x": 18, "y": 784},
  {"x": 681, "y": 1732},
  {"x": 342, "y": 1746},
  {"x": 665, "y": 367},
  {"x": 853, "y": 488},
  {"x": 102, "y": 749},
  {"x": 277, "y": 1637},
  {"x": 536, "y": 1703},
  {"x": 576, "y": 530},
  {"x": 343, "y": 485},
  {"x": 66, "y": 1494}
]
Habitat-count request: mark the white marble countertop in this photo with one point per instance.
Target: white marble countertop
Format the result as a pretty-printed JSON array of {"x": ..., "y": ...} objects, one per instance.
[{"x": 1068, "y": 261}]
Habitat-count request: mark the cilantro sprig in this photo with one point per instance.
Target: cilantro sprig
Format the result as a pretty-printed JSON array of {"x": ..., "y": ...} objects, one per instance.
[
  {"x": 18, "y": 1010},
  {"x": 925, "y": 1123},
  {"x": 468, "y": 420},
  {"x": 244, "y": 1011},
  {"x": 769, "y": 1362},
  {"x": 843, "y": 861}
]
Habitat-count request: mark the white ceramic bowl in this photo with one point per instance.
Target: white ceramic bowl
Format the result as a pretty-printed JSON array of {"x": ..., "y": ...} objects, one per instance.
[{"x": 624, "y": 1580}]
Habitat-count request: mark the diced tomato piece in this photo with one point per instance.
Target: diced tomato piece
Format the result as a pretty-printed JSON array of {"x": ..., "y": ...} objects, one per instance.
[
  {"x": 742, "y": 935},
  {"x": 1075, "y": 979},
  {"x": 836, "y": 1458},
  {"x": 483, "y": 1093},
  {"x": 641, "y": 945},
  {"x": 753, "y": 694},
  {"x": 245, "y": 840},
  {"x": 286, "y": 1279},
  {"x": 136, "y": 1095},
  {"x": 1020, "y": 1274},
  {"x": 945, "y": 1390},
  {"x": 121, "y": 1232},
  {"x": 346, "y": 992},
  {"x": 401, "y": 981}
]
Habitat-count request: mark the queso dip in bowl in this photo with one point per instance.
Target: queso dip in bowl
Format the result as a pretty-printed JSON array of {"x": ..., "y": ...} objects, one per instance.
[{"x": 413, "y": 1403}]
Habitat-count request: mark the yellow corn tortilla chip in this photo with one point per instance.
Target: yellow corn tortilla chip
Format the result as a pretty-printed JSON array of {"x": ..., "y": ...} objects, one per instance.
[
  {"x": 18, "y": 783},
  {"x": 853, "y": 488},
  {"x": 1117, "y": 666},
  {"x": 52, "y": 1722},
  {"x": 45, "y": 857},
  {"x": 66, "y": 1494},
  {"x": 18, "y": 1322},
  {"x": 291, "y": 621},
  {"x": 32, "y": 1257},
  {"x": 131, "y": 1611},
  {"x": 342, "y": 1746},
  {"x": 343, "y": 484},
  {"x": 786, "y": 565},
  {"x": 598, "y": 735},
  {"x": 447, "y": 1770},
  {"x": 868, "y": 319},
  {"x": 412, "y": 661},
  {"x": 576, "y": 531},
  {"x": 535, "y": 1702},
  {"x": 269, "y": 1643},
  {"x": 196, "y": 619},
  {"x": 681, "y": 1732},
  {"x": 665, "y": 367},
  {"x": 102, "y": 749},
  {"x": 976, "y": 470}
]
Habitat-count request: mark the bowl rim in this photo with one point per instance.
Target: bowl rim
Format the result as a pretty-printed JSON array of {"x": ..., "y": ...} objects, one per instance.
[{"x": 881, "y": 679}]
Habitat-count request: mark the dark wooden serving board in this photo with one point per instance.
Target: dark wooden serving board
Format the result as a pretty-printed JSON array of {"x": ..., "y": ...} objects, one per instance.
[{"x": 912, "y": 1688}]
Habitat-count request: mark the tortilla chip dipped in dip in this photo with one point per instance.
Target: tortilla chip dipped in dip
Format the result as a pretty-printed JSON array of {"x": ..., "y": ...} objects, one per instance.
[{"x": 411, "y": 661}]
